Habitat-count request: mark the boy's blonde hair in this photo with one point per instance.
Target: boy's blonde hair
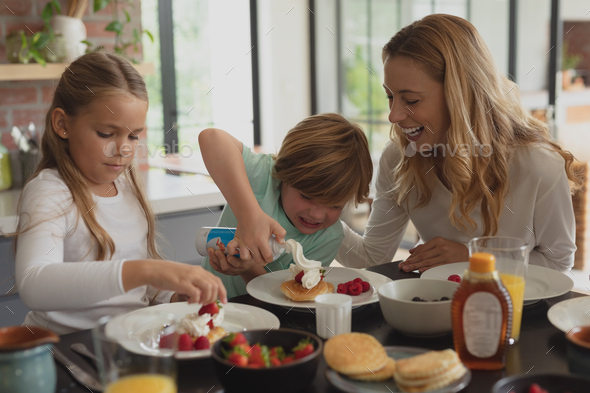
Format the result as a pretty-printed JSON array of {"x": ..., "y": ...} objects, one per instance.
[
  {"x": 327, "y": 158},
  {"x": 485, "y": 109},
  {"x": 91, "y": 77}
]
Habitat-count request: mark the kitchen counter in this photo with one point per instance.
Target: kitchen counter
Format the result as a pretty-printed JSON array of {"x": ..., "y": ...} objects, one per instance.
[{"x": 168, "y": 194}]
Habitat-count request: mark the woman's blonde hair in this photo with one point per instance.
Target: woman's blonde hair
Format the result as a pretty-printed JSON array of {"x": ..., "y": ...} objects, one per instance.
[
  {"x": 89, "y": 78},
  {"x": 485, "y": 110},
  {"x": 327, "y": 158}
]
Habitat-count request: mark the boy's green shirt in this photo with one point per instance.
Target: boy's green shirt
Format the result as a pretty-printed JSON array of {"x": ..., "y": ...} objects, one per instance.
[{"x": 320, "y": 246}]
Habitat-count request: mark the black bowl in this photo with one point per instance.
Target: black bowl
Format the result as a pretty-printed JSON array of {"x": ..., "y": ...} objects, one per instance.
[
  {"x": 549, "y": 382},
  {"x": 288, "y": 378}
]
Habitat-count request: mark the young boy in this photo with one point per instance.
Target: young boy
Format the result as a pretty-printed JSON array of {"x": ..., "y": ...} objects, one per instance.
[{"x": 324, "y": 162}]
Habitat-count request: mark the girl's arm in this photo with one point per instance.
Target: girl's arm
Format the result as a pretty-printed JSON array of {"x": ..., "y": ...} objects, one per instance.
[{"x": 222, "y": 154}]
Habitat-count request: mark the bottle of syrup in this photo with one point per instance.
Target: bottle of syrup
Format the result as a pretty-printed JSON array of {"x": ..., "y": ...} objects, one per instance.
[{"x": 482, "y": 316}]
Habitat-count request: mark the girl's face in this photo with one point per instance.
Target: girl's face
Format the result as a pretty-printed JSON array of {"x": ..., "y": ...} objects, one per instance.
[
  {"x": 305, "y": 214},
  {"x": 416, "y": 103},
  {"x": 103, "y": 139}
]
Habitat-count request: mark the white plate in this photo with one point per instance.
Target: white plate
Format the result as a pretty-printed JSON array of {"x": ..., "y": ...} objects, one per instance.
[
  {"x": 569, "y": 313},
  {"x": 353, "y": 386},
  {"x": 541, "y": 282},
  {"x": 267, "y": 288},
  {"x": 136, "y": 331}
]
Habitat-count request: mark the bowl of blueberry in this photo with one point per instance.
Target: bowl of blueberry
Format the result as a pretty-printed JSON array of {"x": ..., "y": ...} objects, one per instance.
[{"x": 418, "y": 307}]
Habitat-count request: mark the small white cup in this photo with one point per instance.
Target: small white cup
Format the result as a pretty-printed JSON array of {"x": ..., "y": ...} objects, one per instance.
[
  {"x": 73, "y": 31},
  {"x": 333, "y": 314}
]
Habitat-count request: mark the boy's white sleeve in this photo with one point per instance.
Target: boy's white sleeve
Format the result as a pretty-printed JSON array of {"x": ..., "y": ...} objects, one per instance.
[
  {"x": 45, "y": 281},
  {"x": 386, "y": 226}
]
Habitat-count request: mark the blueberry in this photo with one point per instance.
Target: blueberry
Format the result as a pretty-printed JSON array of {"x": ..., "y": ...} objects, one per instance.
[
  {"x": 422, "y": 300},
  {"x": 435, "y": 300},
  {"x": 416, "y": 299},
  {"x": 444, "y": 298}
]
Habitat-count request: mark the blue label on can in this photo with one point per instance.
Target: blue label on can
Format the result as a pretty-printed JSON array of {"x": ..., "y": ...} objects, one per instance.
[{"x": 218, "y": 238}]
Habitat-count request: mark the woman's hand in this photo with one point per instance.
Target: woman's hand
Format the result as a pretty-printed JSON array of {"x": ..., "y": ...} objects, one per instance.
[
  {"x": 435, "y": 252},
  {"x": 199, "y": 285},
  {"x": 252, "y": 234}
]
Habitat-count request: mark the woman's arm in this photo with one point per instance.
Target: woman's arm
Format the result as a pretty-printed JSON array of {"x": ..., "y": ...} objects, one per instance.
[
  {"x": 386, "y": 226},
  {"x": 222, "y": 154}
]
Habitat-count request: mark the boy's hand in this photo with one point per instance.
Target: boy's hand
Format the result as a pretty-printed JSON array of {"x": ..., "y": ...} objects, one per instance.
[
  {"x": 252, "y": 234},
  {"x": 228, "y": 264}
]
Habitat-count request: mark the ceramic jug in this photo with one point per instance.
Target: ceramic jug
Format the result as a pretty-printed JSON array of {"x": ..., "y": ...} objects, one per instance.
[{"x": 26, "y": 361}]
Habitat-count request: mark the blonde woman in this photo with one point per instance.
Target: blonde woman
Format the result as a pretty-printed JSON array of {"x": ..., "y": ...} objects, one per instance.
[
  {"x": 465, "y": 158},
  {"x": 85, "y": 243}
]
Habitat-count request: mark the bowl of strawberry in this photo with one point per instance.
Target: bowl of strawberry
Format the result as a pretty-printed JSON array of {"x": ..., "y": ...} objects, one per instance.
[
  {"x": 264, "y": 360},
  {"x": 543, "y": 383}
]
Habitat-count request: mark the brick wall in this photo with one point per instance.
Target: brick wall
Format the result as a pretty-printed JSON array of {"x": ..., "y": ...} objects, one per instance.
[
  {"x": 578, "y": 41},
  {"x": 24, "y": 101}
]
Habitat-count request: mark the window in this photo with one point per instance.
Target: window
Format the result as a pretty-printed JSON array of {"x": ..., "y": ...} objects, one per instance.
[{"x": 203, "y": 57}]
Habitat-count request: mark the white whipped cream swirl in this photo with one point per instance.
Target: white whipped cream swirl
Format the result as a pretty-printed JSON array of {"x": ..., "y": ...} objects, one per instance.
[
  {"x": 312, "y": 275},
  {"x": 195, "y": 324}
]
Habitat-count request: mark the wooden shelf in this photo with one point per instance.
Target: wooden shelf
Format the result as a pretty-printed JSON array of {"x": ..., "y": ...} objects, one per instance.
[{"x": 19, "y": 72}]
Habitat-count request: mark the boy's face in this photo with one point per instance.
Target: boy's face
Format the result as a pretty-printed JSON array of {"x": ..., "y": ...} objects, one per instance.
[{"x": 305, "y": 214}]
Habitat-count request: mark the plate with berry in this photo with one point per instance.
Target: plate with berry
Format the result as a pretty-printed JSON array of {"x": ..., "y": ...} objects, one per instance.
[
  {"x": 186, "y": 331},
  {"x": 540, "y": 283},
  {"x": 283, "y": 288}
]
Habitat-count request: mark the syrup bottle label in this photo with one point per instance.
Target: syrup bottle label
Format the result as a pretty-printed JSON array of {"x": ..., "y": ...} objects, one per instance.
[{"x": 482, "y": 324}]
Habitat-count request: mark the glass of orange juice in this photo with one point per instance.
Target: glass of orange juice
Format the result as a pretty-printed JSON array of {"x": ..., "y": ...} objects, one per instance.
[
  {"x": 122, "y": 371},
  {"x": 512, "y": 259}
]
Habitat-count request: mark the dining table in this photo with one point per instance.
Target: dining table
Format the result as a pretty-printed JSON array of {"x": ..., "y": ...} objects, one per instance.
[{"x": 540, "y": 350}]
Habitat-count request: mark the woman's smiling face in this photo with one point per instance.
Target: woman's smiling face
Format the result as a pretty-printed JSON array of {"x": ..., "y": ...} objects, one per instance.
[{"x": 416, "y": 102}]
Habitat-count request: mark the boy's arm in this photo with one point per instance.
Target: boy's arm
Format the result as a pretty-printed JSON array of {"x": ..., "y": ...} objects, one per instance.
[{"x": 222, "y": 154}]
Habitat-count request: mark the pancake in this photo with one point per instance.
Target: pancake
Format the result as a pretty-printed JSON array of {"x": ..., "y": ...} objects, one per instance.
[
  {"x": 215, "y": 334},
  {"x": 297, "y": 292},
  {"x": 375, "y": 376},
  {"x": 355, "y": 354}
]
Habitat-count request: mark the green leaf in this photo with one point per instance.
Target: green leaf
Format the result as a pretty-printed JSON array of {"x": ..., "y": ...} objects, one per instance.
[
  {"x": 40, "y": 40},
  {"x": 86, "y": 42},
  {"x": 149, "y": 35},
  {"x": 37, "y": 56},
  {"x": 115, "y": 26},
  {"x": 56, "y": 6},
  {"x": 136, "y": 35},
  {"x": 100, "y": 4},
  {"x": 127, "y": 15},
  {"x": 47, "y": 12}
]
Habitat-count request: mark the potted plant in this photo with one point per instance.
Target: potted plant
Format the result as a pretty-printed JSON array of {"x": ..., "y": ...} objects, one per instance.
[
  {"x": 122, "y": 44},
  {"x": 569, "y": 63}
]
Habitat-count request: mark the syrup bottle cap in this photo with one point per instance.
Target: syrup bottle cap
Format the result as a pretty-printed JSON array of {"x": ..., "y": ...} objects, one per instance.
[{"x": 482, "y": 262}]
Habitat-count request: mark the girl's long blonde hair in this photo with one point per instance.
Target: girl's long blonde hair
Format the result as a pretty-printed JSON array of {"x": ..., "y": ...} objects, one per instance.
[
  {"x": 87, "y": 79},
  {"x": 484, "y": 109}
]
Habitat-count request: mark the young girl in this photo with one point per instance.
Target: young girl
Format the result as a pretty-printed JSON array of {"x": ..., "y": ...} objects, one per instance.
[
  {"x": 324, "y": 162},
  {"x": 85, "y": 243}
]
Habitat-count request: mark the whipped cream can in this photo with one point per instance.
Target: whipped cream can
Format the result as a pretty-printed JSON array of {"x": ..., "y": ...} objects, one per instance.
[{"x": 218, "y": 238}]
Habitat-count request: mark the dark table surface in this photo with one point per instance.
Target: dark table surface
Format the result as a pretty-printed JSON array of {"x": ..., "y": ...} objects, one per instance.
[{"x": 541, "y": 348}]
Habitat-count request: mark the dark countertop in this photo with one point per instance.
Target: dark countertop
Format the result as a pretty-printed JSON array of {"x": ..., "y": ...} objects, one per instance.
[{"x": 541, "y": 348}]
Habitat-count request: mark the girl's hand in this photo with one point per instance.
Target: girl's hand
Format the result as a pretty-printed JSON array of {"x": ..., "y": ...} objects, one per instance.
[
  {"x": 178, "y": 297},
  {"x": 199, "y": 285},
  {"x": 435, "y": 252},
  {"x": 252, "y": 234}
]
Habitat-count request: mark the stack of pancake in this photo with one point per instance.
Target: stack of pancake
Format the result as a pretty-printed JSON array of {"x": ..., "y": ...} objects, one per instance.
[
  {"x": 359, "y": 356},
  {"x": 297, "y": 292},
  {"x": 428, "y": 371}
]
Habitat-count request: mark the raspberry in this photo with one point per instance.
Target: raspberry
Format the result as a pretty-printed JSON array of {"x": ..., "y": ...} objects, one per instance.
[
  {"x": 358, "y": 279},
  {"x": 366, "y": 286},
  {"x": 355, "y": 289},
  {"x": 455, "y": 278},
  {"x": 299, "y": 276},
  {"x": 342, "y": 288}
]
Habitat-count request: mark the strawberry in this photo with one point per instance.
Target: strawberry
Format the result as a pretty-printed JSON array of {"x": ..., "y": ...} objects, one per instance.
[
  {"x": 455, "y": 278},
  {"x": 210, "y": 324},
  {"x": 299, "y": 276},
  {"x": 185, "y": 342},
  {"x": 358, "y": 279},
  {"x": 259, "y": 355},
  {"x": 342, "y": 288},
  {"x": 238, "y": 359},
  {"x": 234, "y": 339},
  {"x": 211, "y": 308},
  {"x": 303, "y": 349},
  {"x": 355, "y": 289},
  {"x": 275, "y": 362},
  {"x": 255, "y": 349},
  {"x": 322, "y": 274},
  {"x": 245, "y": 347},
  {"x": 254, "y": 365},
  {"x": 366, "y": 286},
  {"x": 167, "y": 341},
  {"x": 288, "y": 359},
  {"x": 201, "y": 343},
  {"x": 534, "y": 388},
  {"x": 277, "y": 352}
]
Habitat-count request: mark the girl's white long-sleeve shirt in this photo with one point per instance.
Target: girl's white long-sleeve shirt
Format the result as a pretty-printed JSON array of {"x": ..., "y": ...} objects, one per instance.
[
  {"x": 57, "y": 274},
  {"x": 538, "y": 208}
]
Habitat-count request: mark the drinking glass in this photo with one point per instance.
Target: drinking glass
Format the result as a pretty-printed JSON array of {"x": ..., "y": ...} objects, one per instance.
[
  {"x": 122, "y": 371},
  {"x": 333, "y": 314},
  {"x": 512, "y": 259}
]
